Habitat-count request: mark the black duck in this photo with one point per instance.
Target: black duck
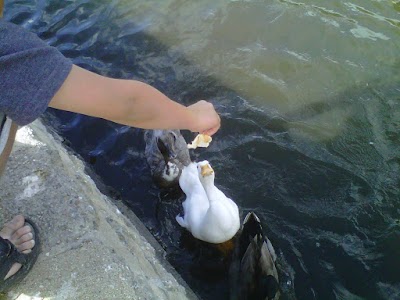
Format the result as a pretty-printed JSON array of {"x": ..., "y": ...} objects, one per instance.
[
  {"x": 253, "y": 274},
  {"x": 166, "y": 154}
]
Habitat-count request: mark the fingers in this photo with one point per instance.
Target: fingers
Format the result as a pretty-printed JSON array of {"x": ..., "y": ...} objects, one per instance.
[
  {"x": 207, "y": 119},
  {"x": 211, "y": 131}
]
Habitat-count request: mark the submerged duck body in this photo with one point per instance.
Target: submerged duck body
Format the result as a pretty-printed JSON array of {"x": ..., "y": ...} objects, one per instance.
[
  {"x": 208, "y": 214},
  {"x": 253, "y": 274},
  {"x": 166, "y": 154}
]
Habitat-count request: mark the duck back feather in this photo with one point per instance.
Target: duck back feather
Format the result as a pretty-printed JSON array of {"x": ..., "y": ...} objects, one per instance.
[
  {"x": 208, "y": 214},
  {"x": 253, "y": 274}
]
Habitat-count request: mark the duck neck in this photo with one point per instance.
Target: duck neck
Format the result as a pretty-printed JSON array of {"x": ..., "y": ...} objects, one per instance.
[{"x": 209, "y": 188}]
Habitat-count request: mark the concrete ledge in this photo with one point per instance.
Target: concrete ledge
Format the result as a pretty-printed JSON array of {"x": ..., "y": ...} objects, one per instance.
[{"x": 90, "y": 250}]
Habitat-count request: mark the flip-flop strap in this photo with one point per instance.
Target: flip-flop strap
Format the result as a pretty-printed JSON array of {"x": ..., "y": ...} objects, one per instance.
[{"x": 8, "y": 256}]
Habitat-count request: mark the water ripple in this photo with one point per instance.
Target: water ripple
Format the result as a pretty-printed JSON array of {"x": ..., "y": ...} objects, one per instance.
[{"x": 310, "y": 126}]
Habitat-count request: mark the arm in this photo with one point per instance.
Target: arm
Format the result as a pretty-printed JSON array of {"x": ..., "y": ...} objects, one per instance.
[{"x": 132, "y": 103}]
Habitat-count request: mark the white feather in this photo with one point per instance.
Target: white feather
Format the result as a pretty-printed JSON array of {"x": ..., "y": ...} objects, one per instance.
[{"x": 208, "y": 214}]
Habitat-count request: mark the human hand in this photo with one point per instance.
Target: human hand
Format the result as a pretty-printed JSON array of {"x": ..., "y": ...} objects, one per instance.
[{"x": 206, "y": 119}]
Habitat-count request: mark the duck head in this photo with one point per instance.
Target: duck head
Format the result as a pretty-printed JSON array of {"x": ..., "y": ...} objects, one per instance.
[{"x": 205, "y": 172}]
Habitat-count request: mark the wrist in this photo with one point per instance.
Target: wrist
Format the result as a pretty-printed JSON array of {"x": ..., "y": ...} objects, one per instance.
[{"x": 191, "y": 120}]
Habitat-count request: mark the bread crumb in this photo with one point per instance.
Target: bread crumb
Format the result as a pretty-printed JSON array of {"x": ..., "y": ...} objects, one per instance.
[{"x": 201, "y": 140}]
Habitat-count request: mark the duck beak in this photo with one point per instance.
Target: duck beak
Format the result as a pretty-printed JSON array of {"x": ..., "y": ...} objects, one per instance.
[{"x": 206, "y": 170}]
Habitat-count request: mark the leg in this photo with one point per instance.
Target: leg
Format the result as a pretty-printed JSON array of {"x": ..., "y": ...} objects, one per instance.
[
  {"x": 7, "y": 150},
  {"x": 18, "y": 232}
]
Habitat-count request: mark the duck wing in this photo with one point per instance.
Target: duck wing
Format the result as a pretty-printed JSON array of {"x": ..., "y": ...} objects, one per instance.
[
  {"x": 154, "y": 157},
  {"x": 181, "y": 149}
]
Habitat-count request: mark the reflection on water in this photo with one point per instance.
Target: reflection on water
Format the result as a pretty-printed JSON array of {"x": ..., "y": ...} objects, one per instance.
[{"x": 309, "y": 97}]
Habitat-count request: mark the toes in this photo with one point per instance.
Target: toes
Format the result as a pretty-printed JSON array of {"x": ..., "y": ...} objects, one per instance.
[
  {"x": 11, "y": 226},
  {"x": 18, "y": 219},
  {"x": 18, "y": 234},
  {"x": 25, "y": 238},
  {"x": 16, "y": 222},
  {"x": 21, "y": 236},
  {"x": 26, "y": 247}
]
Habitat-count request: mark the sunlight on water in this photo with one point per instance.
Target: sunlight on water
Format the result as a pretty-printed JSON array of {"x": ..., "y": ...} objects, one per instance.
[
  {"x": 264, "y": 58},
  {"x": 365, "y": 33}
]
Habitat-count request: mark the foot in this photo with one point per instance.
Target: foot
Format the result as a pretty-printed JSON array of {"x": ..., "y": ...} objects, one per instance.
[{"x": 21, "y": 236}]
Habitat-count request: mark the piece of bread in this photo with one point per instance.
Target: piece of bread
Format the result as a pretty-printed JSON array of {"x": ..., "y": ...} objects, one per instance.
[{"x": 201, "y": 140}]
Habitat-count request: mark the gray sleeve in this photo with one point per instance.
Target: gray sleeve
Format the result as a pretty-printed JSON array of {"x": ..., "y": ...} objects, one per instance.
[{"x": 31, "y": 72}]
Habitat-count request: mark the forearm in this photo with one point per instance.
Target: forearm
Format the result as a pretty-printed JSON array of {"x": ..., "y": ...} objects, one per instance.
[
  {"x": 127, "y": 102},
  {"x": 146, "y": 107}
]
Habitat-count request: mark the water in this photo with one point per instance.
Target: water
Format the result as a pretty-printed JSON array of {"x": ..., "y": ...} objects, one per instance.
[{"x": 309, "y": 97}]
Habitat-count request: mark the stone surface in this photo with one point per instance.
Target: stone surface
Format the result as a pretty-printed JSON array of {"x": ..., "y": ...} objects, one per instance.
[{"x": 90, "y": 250}]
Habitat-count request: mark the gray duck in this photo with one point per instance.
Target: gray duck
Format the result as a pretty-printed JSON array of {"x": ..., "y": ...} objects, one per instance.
[
  {"x": 253, "y": 274},
  {"x": 166, "y": 154}
]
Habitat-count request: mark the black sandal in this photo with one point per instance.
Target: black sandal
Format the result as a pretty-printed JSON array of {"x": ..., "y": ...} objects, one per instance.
[{"x": 10, "y": 255}]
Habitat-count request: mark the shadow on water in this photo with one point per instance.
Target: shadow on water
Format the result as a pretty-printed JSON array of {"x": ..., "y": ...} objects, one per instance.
[{"x": 327, "y": 198}]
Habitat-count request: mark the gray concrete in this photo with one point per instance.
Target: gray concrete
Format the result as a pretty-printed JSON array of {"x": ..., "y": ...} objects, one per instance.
[{"x": 90, "y": 249}]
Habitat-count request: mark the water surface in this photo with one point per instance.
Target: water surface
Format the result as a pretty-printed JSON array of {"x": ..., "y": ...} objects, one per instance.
[{"x": 309, "y": 96}]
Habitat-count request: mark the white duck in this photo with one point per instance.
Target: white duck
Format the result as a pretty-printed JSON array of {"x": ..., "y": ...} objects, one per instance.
[{"x": 208, "y": 214}]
